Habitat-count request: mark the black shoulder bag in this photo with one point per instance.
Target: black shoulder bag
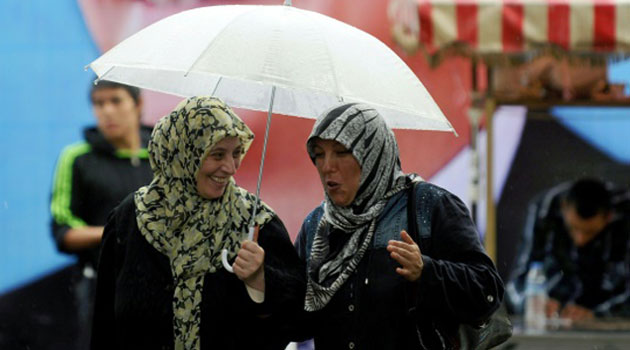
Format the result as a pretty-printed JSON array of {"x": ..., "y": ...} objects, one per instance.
[{"x": 496, "y": 330}]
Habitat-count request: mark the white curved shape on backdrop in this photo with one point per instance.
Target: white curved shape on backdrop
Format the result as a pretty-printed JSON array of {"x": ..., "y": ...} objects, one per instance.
[{"x": 509, "y": 122}]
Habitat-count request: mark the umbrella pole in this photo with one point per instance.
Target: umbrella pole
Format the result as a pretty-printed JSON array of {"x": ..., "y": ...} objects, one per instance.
[
  {"x": 250, "y": 234},
  {"x": 262, "y": 162}
]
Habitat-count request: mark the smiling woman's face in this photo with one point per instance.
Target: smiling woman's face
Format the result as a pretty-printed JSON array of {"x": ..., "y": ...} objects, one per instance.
[
  {"x": 338, "y": 170},
  {"x": 219, "y": 166}
]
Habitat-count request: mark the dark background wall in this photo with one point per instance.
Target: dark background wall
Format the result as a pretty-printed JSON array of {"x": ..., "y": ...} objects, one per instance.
[{"x": 549, "y": 153}]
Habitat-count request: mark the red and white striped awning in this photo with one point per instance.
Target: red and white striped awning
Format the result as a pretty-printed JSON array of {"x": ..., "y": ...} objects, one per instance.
[{"x": 511, "y": 26}]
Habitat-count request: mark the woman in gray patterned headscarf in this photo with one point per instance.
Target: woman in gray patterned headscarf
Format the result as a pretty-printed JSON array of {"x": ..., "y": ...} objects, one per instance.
[
  {"x": 364, "y": 271},
  {"x": 163, "y": 284}
]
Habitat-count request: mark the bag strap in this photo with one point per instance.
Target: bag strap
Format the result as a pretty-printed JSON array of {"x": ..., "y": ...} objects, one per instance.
[
  {"x": 412, "y": 219},
  {"x": 422, "y": 237},
  {"x": 411, "y": 291}
]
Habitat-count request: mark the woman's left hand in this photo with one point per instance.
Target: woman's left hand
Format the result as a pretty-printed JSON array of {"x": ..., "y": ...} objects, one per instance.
[
  {"x": 249, "y": 264},
  {"x": 408, "y": 255}
]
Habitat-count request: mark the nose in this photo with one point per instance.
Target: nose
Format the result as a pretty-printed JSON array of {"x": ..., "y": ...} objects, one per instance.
[
  {"x": 107, "y": 109},
  {"x": 328, "y": 163},
  {"x": 229, "y": 165}
]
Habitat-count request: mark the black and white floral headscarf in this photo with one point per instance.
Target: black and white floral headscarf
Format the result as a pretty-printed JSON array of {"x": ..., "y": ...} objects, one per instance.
[
  {"x": 171, "y": 215},
  {"x": 362, "y": 130}
]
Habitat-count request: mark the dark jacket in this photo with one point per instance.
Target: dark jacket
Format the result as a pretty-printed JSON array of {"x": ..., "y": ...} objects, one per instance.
[
  {"x": 91, "y": 178},
  {"x": 595, "y": 276},
  {"x": 459, "y": 282},
  {"x": 134, "y": 295}
]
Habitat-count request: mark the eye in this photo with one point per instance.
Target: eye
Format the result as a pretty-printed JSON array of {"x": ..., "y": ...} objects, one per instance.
[
  {"x": 116, "y": 100},
  {"x": 217, "y": 155},
  {"x": 237, "y": 153},
  {"x": 344, "y": 152},
  {"x": 318, "y": 155}
]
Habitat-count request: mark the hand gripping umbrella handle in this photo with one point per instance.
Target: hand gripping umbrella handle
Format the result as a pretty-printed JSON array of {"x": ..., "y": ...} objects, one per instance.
[{"x": 224, "y": 252}]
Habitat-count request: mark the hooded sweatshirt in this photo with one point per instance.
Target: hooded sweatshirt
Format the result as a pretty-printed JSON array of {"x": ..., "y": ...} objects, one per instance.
[{"x": 91, "y": 178}]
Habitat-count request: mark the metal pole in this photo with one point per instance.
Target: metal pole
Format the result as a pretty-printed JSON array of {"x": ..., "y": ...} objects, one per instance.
[
  {"x": 262, "y": 160},
  {"x": 474, "y": 115},
  {"x": 250, "y": 233}
]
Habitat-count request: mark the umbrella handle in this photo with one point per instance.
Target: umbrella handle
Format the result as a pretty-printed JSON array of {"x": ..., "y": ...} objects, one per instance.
[
  {"x": 224, "y": 252},
  {"x": 225, "y": 262}
]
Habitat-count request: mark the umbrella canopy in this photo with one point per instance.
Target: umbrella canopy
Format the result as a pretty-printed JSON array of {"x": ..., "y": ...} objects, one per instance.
[
  {"x": 244, "y": 54},
  {"x": 490, "y": 27}
]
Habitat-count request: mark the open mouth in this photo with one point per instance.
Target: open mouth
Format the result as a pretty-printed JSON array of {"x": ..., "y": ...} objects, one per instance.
[
  {"x": 332, "y": 186},
  {"x": 220, "y": 180}
]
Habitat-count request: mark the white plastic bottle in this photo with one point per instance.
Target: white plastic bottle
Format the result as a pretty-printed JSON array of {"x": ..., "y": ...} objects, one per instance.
[{"x": 535, "y": 299}]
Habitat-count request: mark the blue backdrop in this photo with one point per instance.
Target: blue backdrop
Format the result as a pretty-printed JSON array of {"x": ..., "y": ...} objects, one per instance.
[
  {"x": 44, "y": 46},
  {"x": 605, "y": 128}
]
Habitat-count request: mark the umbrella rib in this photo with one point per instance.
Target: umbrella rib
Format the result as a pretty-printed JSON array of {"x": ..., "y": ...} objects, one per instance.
[
  {"x": 103, "y": 75},
  {"x": 211, "y": 43},
  {"x": 216, "y": 86},
  {"x": 334, "y": 72}
]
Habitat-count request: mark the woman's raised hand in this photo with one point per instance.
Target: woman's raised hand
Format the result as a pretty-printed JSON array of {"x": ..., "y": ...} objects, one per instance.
[
  {"x": 408, "y": 255},
  {"x": 249, "y": 263}
]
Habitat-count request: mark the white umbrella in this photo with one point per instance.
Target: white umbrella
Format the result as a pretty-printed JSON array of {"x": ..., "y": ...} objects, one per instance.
[
  {"x": 276, "y": 58},
  {"x": 240, "y": 52}
]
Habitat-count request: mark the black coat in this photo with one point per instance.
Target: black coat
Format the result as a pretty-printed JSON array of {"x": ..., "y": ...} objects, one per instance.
[
  {"x": 134, "y": 296},
  {"x": 459, "y": 283}
]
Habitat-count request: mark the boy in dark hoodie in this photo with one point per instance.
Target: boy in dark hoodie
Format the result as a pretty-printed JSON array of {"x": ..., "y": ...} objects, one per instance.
[{"x": 92, "y": 177}]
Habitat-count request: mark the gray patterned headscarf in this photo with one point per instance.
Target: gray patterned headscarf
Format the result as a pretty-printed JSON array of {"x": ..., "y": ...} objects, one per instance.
[
  {"x": 171, "y": 215},
  {"x": 362, "y": 130}
]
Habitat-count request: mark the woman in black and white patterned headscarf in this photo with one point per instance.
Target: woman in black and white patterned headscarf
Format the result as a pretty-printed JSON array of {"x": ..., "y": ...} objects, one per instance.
[
  {"x": 364, "y": 271},
  {"x": 162, "y": 282},
  {"x": 350, "y": 134}
]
